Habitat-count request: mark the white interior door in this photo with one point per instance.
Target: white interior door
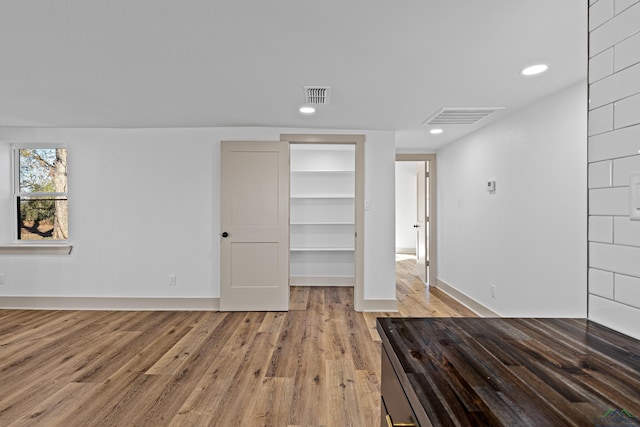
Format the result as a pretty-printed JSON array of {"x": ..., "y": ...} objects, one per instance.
[
  {"x": 254, "y": 253},
  {"x": 421, "y": 224}
]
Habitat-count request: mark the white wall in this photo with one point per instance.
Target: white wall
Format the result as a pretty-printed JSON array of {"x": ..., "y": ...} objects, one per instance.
[
  {"x": 527, "y": 239},
  {"x": 144, "y": 203},
  {"x": 406, "y": 205},
  {"x": 614, "y": 144},
  {"x": 379, "y": 234}
]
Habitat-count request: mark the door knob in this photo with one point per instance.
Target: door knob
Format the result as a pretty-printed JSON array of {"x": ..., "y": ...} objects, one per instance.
[
  {"x": 416, "y": 226},
  {"x": 225, "y": 234}
]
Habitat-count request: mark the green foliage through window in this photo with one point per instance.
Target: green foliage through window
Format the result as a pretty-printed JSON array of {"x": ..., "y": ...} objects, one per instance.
[{"x": 41, "y": 194}]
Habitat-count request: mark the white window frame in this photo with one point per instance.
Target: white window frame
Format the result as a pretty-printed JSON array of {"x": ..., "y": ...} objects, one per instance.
[{"x": 16, "y": 193}]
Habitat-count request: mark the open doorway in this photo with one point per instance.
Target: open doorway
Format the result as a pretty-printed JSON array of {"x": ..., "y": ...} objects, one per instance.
[
  {"x": 327, "y": 212},
  {"x": 322, "y": 215},
  {"x": 415, "y": 215}
]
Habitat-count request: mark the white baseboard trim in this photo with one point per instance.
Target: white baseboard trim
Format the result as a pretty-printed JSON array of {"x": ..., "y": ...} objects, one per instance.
[
  {"x": 473, "y": 305},
  {"x": 321, "y": 281},
  {"x": 406, "y": 251},
  {"x": 146, "y": 304},
  {"x": 380, "y": 305},
  {"x": 109, "y": 304},
  {"x": 199, "y": 304}
]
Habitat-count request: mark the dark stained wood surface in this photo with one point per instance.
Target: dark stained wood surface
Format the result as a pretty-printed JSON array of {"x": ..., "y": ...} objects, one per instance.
[{"x": 514, "y": 372}]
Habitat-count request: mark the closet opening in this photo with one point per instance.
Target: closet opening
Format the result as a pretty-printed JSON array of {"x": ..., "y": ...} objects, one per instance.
[
  {"x": 322, "y": 215},
  {"x": 326, "y": 210}
]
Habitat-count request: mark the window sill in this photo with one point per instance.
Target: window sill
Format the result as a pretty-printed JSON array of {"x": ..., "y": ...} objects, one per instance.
[{"x": 55, "y": 249}]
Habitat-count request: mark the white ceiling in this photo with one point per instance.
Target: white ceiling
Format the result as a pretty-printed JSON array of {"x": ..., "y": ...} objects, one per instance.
[{"x": 181, "y": 63}]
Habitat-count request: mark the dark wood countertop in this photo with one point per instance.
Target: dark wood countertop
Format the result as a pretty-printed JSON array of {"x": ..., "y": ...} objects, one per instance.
[{"x": 514, "y": 372}]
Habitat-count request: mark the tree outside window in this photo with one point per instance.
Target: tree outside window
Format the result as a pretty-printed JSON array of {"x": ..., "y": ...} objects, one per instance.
[{"x": 41, "y": 194}]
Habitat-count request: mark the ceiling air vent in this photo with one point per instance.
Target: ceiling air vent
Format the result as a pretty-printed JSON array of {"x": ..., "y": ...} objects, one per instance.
[
  {"x": 460, "y": 115},
  {"x": 317, "y": 95}
]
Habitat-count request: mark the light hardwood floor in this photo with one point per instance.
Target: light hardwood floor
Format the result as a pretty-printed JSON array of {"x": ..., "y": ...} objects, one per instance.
[{"x": 316, "y": 365}]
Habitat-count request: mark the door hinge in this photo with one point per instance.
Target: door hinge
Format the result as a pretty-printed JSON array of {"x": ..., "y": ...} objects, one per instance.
[{"x": 426, "y": 174}]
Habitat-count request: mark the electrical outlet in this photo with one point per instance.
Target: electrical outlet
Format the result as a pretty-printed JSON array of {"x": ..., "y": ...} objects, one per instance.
[
  {"x": 494, "y": 291},
  {"x": 172, "y": 280},
  {"x": 2, "y": 279}
]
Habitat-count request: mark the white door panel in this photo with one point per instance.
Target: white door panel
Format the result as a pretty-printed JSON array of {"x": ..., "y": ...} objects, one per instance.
[{"x": 254, "y": 259}]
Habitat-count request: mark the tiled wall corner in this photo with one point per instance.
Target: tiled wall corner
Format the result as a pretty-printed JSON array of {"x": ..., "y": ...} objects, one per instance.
[{"x": 614, "y": 154}]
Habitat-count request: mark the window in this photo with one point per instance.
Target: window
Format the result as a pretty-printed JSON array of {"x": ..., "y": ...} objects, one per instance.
[{"x": 40, "y": 193}]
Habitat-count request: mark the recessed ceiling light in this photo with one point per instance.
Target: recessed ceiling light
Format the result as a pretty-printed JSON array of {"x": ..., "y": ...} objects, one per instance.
[
  {"x": 436, "y": 131},
  {"x": 307, "y": 110},
  {"x": 534, "y": 69}
]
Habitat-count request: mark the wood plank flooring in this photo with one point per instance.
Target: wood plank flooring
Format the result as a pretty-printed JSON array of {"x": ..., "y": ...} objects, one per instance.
[{"x": 317, "y": 365}]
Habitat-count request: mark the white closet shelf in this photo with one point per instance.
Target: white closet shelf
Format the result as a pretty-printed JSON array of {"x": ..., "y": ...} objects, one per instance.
[{"x": 321, "y": 249}]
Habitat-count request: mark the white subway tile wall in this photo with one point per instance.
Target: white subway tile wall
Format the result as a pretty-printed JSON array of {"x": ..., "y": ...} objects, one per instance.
[
  {"x": 614, "y": 154},
  {"x": 623, "y": 168},
  {"x": 615, "y": 30},
  {"x": 601, "y": 119},
  {"x": 626, "y": 232},
  {"x": 601, "y": 65},
  {"x": 618, "y": 143},
  {"x": 600, "y": 13},
  {"x": 601, "y": 174},
  {"x": 601, "y": 283},
  {"x": 617, "y": 86},
  {"x": 627, "y": 53},
  {"x": 627, "y": 290},
  {"x": 601, "y": 229},
  {"x": 616, "y": 258},
  {"x": 609, "y": 201},
  {"x": 621, "y": 5},
  {"x": 627, "y": 111},
  {"x": 616, "y": 315}
]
